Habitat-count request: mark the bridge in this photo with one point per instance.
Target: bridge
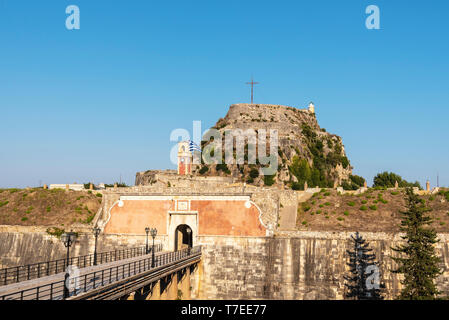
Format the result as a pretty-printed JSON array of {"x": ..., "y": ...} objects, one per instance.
[{"x": 165, "y": 277}]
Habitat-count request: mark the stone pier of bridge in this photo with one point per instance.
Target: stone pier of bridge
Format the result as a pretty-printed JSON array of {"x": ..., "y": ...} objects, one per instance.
[{"x": 176, "y": 286}]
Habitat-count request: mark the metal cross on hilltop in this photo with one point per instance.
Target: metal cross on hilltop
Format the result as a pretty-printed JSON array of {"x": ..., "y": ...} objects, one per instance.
[{"x": 252, "y": 83}]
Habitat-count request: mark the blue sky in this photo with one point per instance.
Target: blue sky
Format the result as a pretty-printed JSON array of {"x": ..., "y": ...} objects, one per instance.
[{"x": 100, "y": 102}]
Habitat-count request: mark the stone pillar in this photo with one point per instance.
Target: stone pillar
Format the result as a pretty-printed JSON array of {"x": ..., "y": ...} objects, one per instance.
[
  {"x": 305, "y": 186},
  {"x": 131, "y": 296},
  {"x": 396, "y": 185},
  {"x": 67, "y": 187},
  {"x": 173, "y": 288},
  {"x": 91, "y": 187},
  {"x": 163, "y": 288},
  {"x": 115, "y": 185},
  {"x": 335, "y": 184},
  {"x": 428, "y": 186},
  {"x": 185, "y": 285},
  {"x": 365, "y": 185},
  {"x": 45, "y": 187},
  {"x": 155, "y": 291}
]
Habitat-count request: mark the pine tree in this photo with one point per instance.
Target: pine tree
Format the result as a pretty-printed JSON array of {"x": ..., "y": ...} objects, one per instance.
[
  {"x": 419, "y": 263},
  {"x": 362, "y": 264}
]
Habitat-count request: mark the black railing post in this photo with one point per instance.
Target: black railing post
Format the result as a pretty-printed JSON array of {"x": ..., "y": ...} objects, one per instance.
[{"x": 17, "y": 274}]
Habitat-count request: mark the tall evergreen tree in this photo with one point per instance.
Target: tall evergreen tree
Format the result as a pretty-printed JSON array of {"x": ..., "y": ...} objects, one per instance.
[
  {"x": 418, "y": 262},
  {"x": 363, "y": 269}
]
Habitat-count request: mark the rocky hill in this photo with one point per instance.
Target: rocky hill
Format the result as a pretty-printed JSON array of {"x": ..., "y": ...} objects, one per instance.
[{"x": 307, "y": 153}]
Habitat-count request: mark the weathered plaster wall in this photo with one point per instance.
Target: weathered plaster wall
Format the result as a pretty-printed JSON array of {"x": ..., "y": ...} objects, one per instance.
[
  {"x": 295, "y": 265},
  {"x": 267, "y": 199},
  {"x": 220, "y": 215}
]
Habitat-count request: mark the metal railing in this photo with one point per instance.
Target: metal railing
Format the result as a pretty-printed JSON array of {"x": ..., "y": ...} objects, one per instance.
[
  {"x": 94, "y": 280},
  {"x": 43, "y": 269}
]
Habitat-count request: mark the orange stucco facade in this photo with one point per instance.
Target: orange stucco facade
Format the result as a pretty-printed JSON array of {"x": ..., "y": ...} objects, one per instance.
[{"x": 219, "y": 216}]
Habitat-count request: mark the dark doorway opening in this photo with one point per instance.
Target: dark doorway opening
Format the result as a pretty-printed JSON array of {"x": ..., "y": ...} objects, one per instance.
[{"x": 183, "y": 237}]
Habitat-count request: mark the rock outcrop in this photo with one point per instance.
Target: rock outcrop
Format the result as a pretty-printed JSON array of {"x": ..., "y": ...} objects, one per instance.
[{"x": 307, "y": 153}]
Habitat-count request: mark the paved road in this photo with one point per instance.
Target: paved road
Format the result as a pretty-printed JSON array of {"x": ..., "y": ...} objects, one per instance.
[{"x": 91, "y": 281}]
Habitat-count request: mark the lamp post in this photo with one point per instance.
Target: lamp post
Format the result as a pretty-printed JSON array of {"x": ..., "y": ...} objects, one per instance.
[
  {"x": 153, "y": 235},
  {"x": 67, "y": 239},
  {"x": 189, "y": 234},
  {"x": 147, "y": 230},
  {"x": 96, "y": 234}
]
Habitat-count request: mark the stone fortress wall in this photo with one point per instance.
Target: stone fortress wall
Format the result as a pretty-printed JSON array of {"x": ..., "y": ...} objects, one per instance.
[
  {"x": 290, "y": 265},
  {"x": 286, "y": 265},
  {"x": 294, "y": 265}
]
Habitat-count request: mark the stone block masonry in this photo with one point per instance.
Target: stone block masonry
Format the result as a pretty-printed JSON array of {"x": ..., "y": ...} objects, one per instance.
[{"x": 294, "y": 265}]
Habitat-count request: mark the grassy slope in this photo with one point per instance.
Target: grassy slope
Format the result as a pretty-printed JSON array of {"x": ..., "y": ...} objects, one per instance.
[
  {"x": 375, "y": 211},
  {"x": 32, "y": 207}
]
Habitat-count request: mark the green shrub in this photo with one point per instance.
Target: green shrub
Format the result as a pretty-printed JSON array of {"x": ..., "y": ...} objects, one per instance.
[
  {"x": 395, "y": 193},
  {"x": 341, "y": 219},
  {"x": 89, "y": 192},
  {"x": 99, "y": 195},
  {"x": 442, "y": 223},
  {"x": 327, "y": 217},
  {"x": 364, "y": 201},
  {"x": 431, "y": 198},
  {"x": 306, "y": 208},
  {"x": 223, "y": 167},
  {"x": 55, "y": 231},
  {"x": 319, "y": 212},
  {"x": 254, "y": 173},
  {"x": 327, "y": 194},
  {"x": 48, "y": 209},
  {"x": 204, "y": 169},
  {"x": 346, "y": 213},
  {"x": 327, "y": 204},
  {"x": 321, "y": 205},
  {"x": 363, "y": 208},
  {"x": 90, "y": 218},
  {"x": 304, "y": 223},
  {"x": 268, "y": 180},
  {"x": 351, "y": 203},
  {"x": 24, "y": 219},
  {"x": 373, "y": 207},
  {"x": 2, "y": 204},
  {"x": 297, "y": 186}
]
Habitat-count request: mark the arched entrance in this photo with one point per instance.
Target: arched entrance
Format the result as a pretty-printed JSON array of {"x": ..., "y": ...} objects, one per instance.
[{"x": 183, "y": 237}]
